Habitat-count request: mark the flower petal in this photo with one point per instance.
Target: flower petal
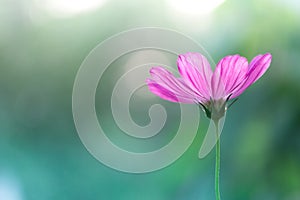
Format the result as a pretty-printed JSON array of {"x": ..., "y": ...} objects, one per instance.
[
  {"x": 161, "y": 91},
  {"x": 257, "y": 68},
  {"x": 228, "y": 75},
  {"x": 167, "y": 86},
  {"x": 196, "y": 71}
]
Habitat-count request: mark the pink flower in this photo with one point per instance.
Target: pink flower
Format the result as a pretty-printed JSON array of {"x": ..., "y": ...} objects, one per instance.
[{"x": 199, "y": 84}]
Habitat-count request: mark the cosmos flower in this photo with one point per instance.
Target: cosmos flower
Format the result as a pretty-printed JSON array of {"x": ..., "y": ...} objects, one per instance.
[{"x": 199, "y": 84}]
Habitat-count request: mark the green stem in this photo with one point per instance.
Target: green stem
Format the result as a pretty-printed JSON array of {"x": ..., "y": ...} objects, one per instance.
[{"x": 217, "y": 168}]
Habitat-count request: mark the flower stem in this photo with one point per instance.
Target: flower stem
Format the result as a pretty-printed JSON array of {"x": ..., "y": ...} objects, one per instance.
[{"x": 217, "y": 167}]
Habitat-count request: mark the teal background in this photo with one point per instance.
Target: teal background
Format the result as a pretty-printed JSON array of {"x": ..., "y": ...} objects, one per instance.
[{"x": 42, "y": 157}]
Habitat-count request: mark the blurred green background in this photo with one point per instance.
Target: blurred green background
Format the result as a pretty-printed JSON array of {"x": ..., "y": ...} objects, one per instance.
[{"x": 42, "y": 44}]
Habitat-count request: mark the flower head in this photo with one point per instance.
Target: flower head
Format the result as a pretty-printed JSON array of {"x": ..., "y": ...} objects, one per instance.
[{"x": 199, "y": 84}]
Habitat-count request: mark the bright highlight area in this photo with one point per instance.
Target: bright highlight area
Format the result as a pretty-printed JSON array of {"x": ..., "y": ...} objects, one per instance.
[
  {"x": 195, "y": 7},
  {"x": 65, "y": 8},
  {"x": 9, "y": 189}
]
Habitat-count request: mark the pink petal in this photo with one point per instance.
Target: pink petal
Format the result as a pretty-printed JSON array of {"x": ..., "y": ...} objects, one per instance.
[
  {"x": 165, "y": 85},
  {"x": 176, "y": 85},
  {"x": 196, "y": 72},
  {"x": 257, "y": 68},
  {"x": 229, "y": 74},
  {"x": 217, "y": 86},
  {"x": 162, "y": 92}
]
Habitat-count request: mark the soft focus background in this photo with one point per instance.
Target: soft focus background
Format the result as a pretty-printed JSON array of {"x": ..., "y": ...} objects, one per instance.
[{"x": 42, "y": 44}]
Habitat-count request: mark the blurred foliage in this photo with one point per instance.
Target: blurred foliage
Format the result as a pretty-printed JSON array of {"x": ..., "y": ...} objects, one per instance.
[{"x": 41, "y": 155}]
